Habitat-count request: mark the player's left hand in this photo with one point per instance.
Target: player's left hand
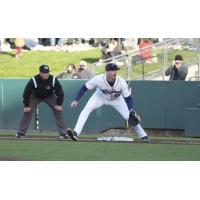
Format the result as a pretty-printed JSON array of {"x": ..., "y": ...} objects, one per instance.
[
  {"x": 134, "y": 118},
  {"x": 58, "y": 108}
]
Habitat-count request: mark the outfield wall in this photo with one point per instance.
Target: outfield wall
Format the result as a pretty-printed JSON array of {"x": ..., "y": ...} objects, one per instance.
[{"x": 162, "y": 105}]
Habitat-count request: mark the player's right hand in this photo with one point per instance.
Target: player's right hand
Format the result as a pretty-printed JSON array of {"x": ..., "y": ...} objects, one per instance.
[
  {"x": 27, "y": 109},
  {"x": 74, "y": 104}
]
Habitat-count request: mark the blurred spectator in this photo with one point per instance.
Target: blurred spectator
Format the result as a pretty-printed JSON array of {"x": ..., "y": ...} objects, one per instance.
[
  {"x": 69, "y": 73},
  {"x": 10, "y": 42},
  {"x": 115, "y": 47},
  {"x": 1, "y": 42},
  {"x": 103, "y": 42},
  {"x": 177, "y": 71},
  {"x": 145, "y": 46},
  {"x": 92, "y": 42},
  {"x": 130, "y": 44},
  {"x": 70, "y": 41},
  {"x": 61, "y": 41},
  {"x": 45, "y": 41},
  {"x": 5, "y": 45},
  {"x": 19, "y": 43},
  {"x": 83, "y": 72},
  {"x": 105, "y": 53},
  {"x": 52, "y": 41},
  {"x": 57, "y": 41},
  {"x": 111, "y": 50},
  {"x": 30, "y": 43}
]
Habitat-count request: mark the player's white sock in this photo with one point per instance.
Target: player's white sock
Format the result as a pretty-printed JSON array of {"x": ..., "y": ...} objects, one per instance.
[
  {"x": 139, "y": 130},
  {"x": 77, "y": 132}
]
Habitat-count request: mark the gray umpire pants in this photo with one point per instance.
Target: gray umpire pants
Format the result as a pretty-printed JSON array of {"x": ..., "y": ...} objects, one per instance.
[{"x": 27, "y": 116}]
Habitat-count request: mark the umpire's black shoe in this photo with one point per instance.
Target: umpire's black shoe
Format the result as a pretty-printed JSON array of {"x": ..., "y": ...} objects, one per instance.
[
  {"x": 63, "y": 137},
  {"x": 146, "y": 139},
  {"x": 19, "y": 135},
  {"x": 72, "y": 134}
]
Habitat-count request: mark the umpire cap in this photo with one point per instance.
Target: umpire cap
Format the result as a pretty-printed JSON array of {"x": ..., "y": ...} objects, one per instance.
[
  {"x": 44, "y": 69},
  {"x": 111, "y": 67}
]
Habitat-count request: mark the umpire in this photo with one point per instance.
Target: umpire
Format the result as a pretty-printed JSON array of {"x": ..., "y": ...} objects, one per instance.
[{"x": 42, "y": 88}]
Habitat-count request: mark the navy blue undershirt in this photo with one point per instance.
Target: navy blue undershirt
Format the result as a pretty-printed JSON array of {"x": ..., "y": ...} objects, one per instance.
[
  {"x": 129, "y": 102},
  {"x": 81, "y": 92}
]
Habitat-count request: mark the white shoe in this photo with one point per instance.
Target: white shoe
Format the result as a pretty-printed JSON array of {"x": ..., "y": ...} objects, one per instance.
[{"x": 63, "y": 137}]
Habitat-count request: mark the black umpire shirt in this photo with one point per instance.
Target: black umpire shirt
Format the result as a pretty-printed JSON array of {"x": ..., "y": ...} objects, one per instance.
[{"x": 43, "y": 90}]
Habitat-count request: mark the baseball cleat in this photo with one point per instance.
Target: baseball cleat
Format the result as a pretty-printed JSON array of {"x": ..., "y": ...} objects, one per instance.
[
  {"x": 19, "y": 135},
  {"x": 63, "y": 137},
  {"x": 72, "y": 134},
  {"x": 146, "y": 139}
]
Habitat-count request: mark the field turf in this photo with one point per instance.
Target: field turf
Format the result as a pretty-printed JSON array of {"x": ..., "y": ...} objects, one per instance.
[{"x": 56, "y": 150}]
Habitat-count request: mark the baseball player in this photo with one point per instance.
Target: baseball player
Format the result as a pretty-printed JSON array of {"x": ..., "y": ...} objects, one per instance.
[
  {"x": 43, "y": 88},
  {"x": 111, "y": 90}
]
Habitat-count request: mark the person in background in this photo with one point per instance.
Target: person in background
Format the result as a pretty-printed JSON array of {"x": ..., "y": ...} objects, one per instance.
[
  {"x": 177, "y": 71},
  {"x": 1, "y": 43},
  {"x": 145, "y": 46},
  {"x": 30, "y": 43},
  {"x": 111, "y": 50},
  {"x": 69, "y": 73},
  {"x": 19, "y": 43},
  {"x": 83, "y": 72}
]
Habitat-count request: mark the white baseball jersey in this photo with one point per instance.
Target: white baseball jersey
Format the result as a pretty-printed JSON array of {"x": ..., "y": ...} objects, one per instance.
[
  {"x": 107, "y": 95},
  {"x": 100, "y": 82}
]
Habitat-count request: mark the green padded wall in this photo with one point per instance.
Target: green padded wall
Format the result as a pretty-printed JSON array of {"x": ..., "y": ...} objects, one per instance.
[
  {"x": 13, "y": 103},
  {"x": 180, "y": 95},
  {"x": 160, "y": 103},
  {"x": 197, "y": 92},
  {"x": 1, "y": 104},
  {"x": 149, "y": 100},
  {"x": 191, "y": 119}
]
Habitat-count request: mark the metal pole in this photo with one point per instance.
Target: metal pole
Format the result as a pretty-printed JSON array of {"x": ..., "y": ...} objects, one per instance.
[
  {"x": 126, "y": 63},
  {"x": 37, "y": 125},
  {"x": 163, "y": 62},
  {"x": 92, "y": 68},
  {"x": 198, "y": 51},
  {"x": 143, "y": 61},
  {"x": 164, "y": 58},
  {"x": 129, "y": 67}
]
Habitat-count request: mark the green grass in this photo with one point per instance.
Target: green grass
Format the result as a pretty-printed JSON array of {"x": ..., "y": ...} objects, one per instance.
[
  {"x": 88, "y": 151},
  {"x": 27, "y": 65},
  {"x": 93, "y": 151}
]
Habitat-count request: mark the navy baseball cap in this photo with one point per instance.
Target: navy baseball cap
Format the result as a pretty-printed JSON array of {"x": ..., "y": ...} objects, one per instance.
[
  {"x": 44, "y": 69},
  {"x": 111, "y": 67}
]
